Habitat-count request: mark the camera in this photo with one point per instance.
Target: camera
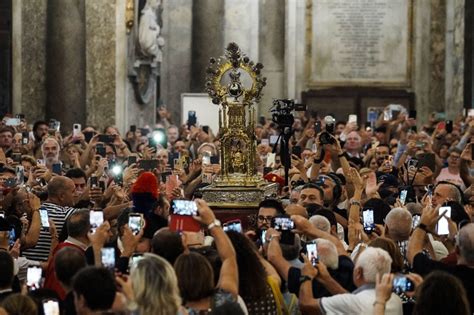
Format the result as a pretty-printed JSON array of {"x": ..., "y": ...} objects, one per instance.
[
  {"x": 282, "y": 112},
  {"x": 326, "y": 137}
]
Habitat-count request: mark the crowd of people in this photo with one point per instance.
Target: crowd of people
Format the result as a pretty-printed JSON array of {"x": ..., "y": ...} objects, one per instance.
[{"x": 375, "y": 219}]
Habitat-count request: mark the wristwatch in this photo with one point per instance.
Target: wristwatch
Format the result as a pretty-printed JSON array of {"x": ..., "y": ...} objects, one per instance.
[
  {"x": 214, "y": 224},
  {"x": 304, "y": 279},
  {"x": 423, "y": 227}
]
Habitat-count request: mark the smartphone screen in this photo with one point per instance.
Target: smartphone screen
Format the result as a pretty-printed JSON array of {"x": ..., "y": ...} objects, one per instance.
[
  {"x": 94, "y": 181},
  {"x": 403, "y": 196},
  {"x": 44, "y": 218},
  {"x": 449, "y": 126},
  {"x": 273, "y": 139},
  {"x": 132, "y": 159},
  {"x": 184, "y": 207},
  {"x": 20, "y": 174},
  {"x": 283, "y": 224},
  {"x": 317, "y": 127},
  {"x": 402, "y": 284},
  {"x": 368, "y": 220},
  {"x": 135, "y": 223},
  {"x": 33, "y": 277},
  {"x": 296, "y": 151},
  {"x": 100, "y": 150},
  {"x": 96, "y": 219},
  {"x": 352, "y": 119},
  {"x": 443, "y": 224},
  {"x": 415, "y": 221},
  {"x": 51, "y": 307},
  {"x": 234, "y": 225},
  {"x": 108, "y": 257},
  {"x": 57, "y": 168},
  {"x": 312, "y": 252},
  {"x": 262, "y": 237},
  {"x": 265, "y": 142},
  {"x": 11, "y": 237}
]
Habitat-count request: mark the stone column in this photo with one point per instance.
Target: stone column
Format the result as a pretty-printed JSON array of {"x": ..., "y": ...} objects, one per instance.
[
  {"x": 66, "y": 62},
  {"x": 176, "y": 66},
  {"x": 101, "y": 62},
  {"x": 438, "y": 54},
  {"x": 454, "y": 65},
  {"x": 272, "y": 51},
  {"x": 208, "y": 39},
  {"x": 29, "y": 58}
]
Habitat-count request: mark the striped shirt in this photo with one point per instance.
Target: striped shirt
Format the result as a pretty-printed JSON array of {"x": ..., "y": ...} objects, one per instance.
[{"x": 59, "y": 216}]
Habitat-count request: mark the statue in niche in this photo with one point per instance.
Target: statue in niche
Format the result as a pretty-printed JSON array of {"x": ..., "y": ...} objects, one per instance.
[
  {"x": 149, "y": 31},
  {"x": 238, "y": 158}
]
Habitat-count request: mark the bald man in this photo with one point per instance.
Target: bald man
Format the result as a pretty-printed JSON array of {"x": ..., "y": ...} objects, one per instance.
[{"x": 58, "y": 206}]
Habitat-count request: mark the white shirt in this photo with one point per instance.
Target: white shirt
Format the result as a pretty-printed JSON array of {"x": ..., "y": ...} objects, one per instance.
[{"x": 359, "y": 302}]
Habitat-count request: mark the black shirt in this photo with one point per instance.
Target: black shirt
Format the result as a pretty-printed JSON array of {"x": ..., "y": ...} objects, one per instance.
[
  {"x": 343, "y": 276},
  {"x": 424, "y": 265}
]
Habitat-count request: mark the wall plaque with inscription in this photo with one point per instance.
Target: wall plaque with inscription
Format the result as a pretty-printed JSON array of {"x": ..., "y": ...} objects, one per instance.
[{"x": 358, "y": 42}]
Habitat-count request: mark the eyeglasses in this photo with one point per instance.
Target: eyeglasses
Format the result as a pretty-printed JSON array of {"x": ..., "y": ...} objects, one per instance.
[{"x": 265, "y": 218}]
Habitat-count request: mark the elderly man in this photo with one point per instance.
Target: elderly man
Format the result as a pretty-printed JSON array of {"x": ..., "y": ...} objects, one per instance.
[
  {"x": 50, "y": 152},
  {"x": 58, "y": 206},
  {"x": 353, "y": 144},
  {"x": 422, "y": 264},
  {"x": 398, "y": 224},
  {"x": 371, "y": 263},
  {"x": 330, "y": 251},
  {"x": 445, "y": 191}
]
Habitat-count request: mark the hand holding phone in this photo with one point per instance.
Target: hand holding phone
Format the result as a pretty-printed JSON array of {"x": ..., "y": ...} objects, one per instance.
[
  {"x": 312, "y": 252},
  {"x": 181, "y": 219},
  {"x": 135, "y": 222},
  {"x": 96, "y": 219},
  {"x": 108, "y": 257},
  {"x": 368, "y": 220},
  {"x": 44, "y": 218},
  {"x": 402, "y": 284},
  {"x": 51, "y": 307},
  {"x": 233, "y": 225},
  {"x": 442, "y": 227},
  {"x": 33, "y": 277}
]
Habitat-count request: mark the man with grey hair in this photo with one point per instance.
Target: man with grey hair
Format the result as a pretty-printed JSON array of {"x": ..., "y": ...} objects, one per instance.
[
  {"x": 321, "y": 223},
  {"x": 340, "y": 266},
  {"x": 50, "y": 152},
  {"x": 398, "y": 225},
  {"x": 423, "y": 265},
  {"x": 445, "y": 191},
  {"x": 372, "y": 263}
]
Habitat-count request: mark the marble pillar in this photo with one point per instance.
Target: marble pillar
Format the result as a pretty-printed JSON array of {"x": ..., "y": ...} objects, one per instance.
[
  {"x": 207, "y": 40},
  {"x": 272, "y": 52},
  {"x": 454, "y": 63},
  {"x": 438, "y": 54},
  {"x": 421, "y": 70},
  {"x": 176, "y": 67},
  {"x": 241, "y": 25},
  {"x": 101, "y": 63},
  {"x": 66, "y": 62},
  {"x": 29, "y": 58}
]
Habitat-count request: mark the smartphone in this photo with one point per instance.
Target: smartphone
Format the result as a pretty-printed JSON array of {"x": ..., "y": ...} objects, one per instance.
[
  {"x": 206, "y": 158},
  {"x": 412, "y": 114},
  {"x": 284, "y": 225},
  {"x": 205, "y": 129},
  {"x": 262, "y": 236},
  {"x": 420, "y": 144},
  {"x": 20, "y": 174},
  {"x": 412, "y": 164},
  {"x": 449, "y": 126},
  {"x": 25, "y": 138},
  {"x": 172, "y": 182},
  {"x": 96, "y": 219},
  {"x": 44, "y": 218},
  {"x": 76, "y": 130},
  {"x": 20, "y": 116},
  {"x": 16, "y": 157},
  {"x": 265, "y": 142},
  {"x": 2, "y": 214},
  {"x": 234, "y": 225},
  {"x": 472, "y": 151},
  {"x": 428, "y": 160},
  {"x": 403, "y": 196},
  {"x": 107, "y": 138},
  {"x": 132, "y": 159},
  {"x": 88, "y": 135},
  {"x": 135, "y": 222},
  {"x": 94, "y": 181},
  {"x": 133, "y": 128},
  {"x": 442, "y": 227},
  {"x": 107, "y": 255},
  {"x": 173, "y": 159},
  {"x": 181, "y": 218},
  {"x": 11, "y": 237},
  {"x": 352, "y": 119},
  {"x": 415, "y": 221},
  {"x": 368, "y": 220},
  {"x": 102, "y": 185},
  {"x": 100, "y": 150},
  {"x": 33, "y": 277},
  {"x": 273, "y": 139},
  {"x": 57, "y": 168},
  {"x": 148, "y": 165},
  {"x": 12, "y": 122},
  {"x": 470, "y": 112},
  {"x": 192, "y": 119},
  {"x": 312, "y": 253},
  {"x": 296, "y": 151},
  {"x": 402, "y": 284},
  {"x": 214, "y": 159},
  {"x": 271, "y": 159},
  {"x": 317, "y": 127},
  {"x": 51, "y": 307}
]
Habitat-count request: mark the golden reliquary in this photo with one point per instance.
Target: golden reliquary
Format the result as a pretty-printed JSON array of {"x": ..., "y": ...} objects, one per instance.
[{"x": 235, "y": 84}]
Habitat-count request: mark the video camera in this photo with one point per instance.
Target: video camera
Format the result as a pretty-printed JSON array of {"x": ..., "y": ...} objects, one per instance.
[
  {"x": 326, "y": 136},
  {"x": 282, "y": 112}
]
